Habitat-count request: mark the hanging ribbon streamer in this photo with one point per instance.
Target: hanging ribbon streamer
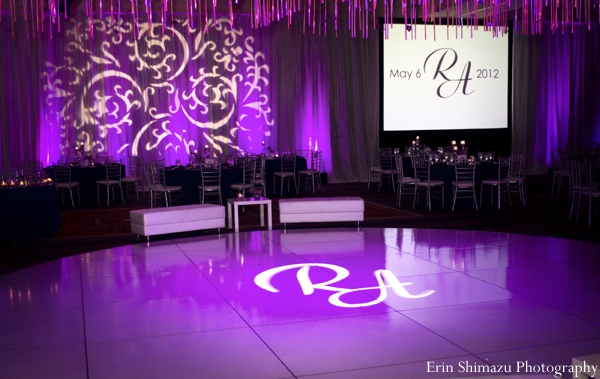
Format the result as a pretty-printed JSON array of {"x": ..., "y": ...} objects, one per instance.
[{"x": 563, "y": 15}]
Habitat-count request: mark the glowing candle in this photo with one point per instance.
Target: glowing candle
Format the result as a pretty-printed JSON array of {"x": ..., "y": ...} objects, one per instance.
[
  {"x": 240, "y": 195},
  {"x": 455, "y": 147},
  {"x": 462, "y": 143},
  {"x": 414, "y": 143},
  {"x": 453, "y": 143}
]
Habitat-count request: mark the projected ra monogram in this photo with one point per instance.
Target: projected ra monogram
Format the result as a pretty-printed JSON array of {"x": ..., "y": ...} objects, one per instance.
[
  {"x": 385, "y": 279},
  {"x": 446, "y": 61}
]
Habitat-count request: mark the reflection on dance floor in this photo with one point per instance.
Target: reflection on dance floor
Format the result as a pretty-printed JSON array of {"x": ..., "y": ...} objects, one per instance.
[{"x": 326, "y": 303}]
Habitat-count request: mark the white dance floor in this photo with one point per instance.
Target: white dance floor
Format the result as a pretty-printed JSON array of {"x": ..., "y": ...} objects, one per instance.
[{"x": 324, "y": 303}]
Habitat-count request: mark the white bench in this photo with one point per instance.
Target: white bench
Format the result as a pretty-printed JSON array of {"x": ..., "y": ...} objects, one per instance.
[
  {"x": 322, "y": 209},
  {"x": 185, "y": 218}
]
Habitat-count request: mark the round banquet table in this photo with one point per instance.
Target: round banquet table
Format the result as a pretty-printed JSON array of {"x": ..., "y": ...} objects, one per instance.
[
  {"x": 29, "y": 213},
  {"x": 190, "y": 179},
  {"x": 87, "y": 177},
  {"x": 274, "y": 165},
  {"x": 445, "y": 172}
]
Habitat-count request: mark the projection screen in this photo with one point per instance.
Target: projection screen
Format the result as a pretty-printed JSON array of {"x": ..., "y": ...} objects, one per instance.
[{"x": 460, "y": 82}]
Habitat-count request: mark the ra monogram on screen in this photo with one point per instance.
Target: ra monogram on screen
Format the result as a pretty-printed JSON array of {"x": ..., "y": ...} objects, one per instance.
[
  {"x": 385, "y": 279},
  {"x": 441, "y": 65}
]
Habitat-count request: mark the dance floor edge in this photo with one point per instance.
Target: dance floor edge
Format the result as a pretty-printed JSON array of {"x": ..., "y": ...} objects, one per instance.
[{"x": 318, "y": 303}]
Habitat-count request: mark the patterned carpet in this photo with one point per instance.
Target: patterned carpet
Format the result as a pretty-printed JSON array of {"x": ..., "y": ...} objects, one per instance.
[{"x": 94, "y": 223}]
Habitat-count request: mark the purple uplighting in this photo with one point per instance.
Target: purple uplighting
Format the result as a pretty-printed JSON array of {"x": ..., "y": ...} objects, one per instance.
[{"x": 125, "y": 92}]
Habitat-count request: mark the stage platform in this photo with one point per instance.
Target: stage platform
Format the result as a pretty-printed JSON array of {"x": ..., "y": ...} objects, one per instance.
[{"x": 319, "y": 303}]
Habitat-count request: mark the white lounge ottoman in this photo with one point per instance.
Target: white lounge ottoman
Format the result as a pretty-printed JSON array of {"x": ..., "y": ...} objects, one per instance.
[
  {"x": 322, "y": 209},
  {"x": 185, "y": 218}
]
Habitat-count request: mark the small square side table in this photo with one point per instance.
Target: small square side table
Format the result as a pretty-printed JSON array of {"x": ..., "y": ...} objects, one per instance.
[{"x": 236, "y": 202}]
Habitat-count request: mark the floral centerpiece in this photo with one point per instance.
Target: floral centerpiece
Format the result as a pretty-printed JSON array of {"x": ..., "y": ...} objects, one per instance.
[
  {"x": 257, "y": 192},
  {"x": 197, "y": 158},
  {"x": 81, "y": 158}
]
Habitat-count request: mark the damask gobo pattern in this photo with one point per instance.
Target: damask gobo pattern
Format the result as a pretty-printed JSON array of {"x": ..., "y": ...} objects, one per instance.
[{"x": 158, "y": 88}]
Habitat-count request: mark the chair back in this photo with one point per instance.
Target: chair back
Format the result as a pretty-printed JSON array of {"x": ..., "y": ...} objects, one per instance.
[
  {"x": 465, "y": 172},
  {"x": 583, "y": 177},
  {"x": 150, "y": 175},
  {"x": 259, "y": 168},
  {"x": 139, "y": 168},
  {"x": 422, "y": 168},
  {"x": 385, "y": 150},
  {"x": 399, "y": 166},
  {"x": 518, "y": 164},
  {"x": 564, "y": 159},
  {"x": 113, "y": 171},
  {"x": 62, "y": 174},
  {"x": 239, "y": 160},
  {"x": 385, "y": 161},
  {"x": 369, "y": 161},
  {"x": 288, "y": 163},
  {"x": 249, "y": 170},
  {"x": 157, "y": 173},
  {"x": 503, "y": 168},
  {"x": 34, "y": 167},
  {"x": 131, "y": 166},
  {"x": 315, "y": 160},
  {"x": 211, "y": 174}
]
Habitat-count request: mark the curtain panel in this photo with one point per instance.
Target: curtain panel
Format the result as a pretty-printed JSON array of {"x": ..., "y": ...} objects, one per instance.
[
  {"x": 556, "y": 88},
  {"x": 159, "y": 92}
]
